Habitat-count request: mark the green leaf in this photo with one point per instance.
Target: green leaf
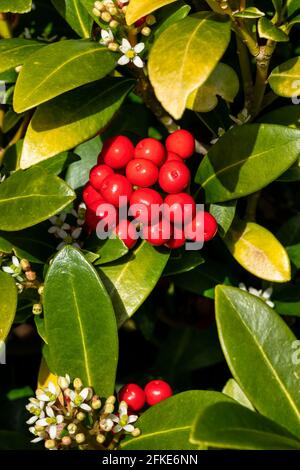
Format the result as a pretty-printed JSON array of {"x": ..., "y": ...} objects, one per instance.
[
  {"x": 169, "y": 15},
  {"x": 58, "y": 68},
  {"x": 15, "y": 6},
  {"x": 293, "y": 22},
  {"x": 277, "y": 5},
  {"x": 130, "y": 280},
  {"x": 137, "y": 9},
  {"x": 224, "y": 214},
  {"x": 234, "y": 391},
  {"x": 182, "y": 261},
  {"x": 70, "y": 119},
  {"x": 8, "y": 303},
  {"x": 107, "y": 250},
  {"x": 251, "y": 13},
  {"x": 228, "y": 425},
  {"x": 78, "y": 173},
  {"x": 76, "y": 15},
  {"x": 252, "y": 333},
  {"x": 185, "y": 56},
  {"x": 80, "y": 323},
  {"x": 268, "y": 30},
  {"x": 14, "y": 52},
  {"x": 285, "y": 79},
  {"x": 287, "y": 300},
  {"x": 223, "y": 82},
  {"x": 253, "y": 156},
  {"x": 29, "y": 197},
  {"x": 10, "y": 120},
  {"x": 292, "y": 7},
  {"x": 258, "y": 251},
  {"x": 58, "y": 163},
  {"x": 289, "y": 235},
  {"x": 167, "y": 425}
]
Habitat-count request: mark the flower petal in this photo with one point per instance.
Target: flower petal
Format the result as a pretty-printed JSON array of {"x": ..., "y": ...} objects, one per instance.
[
  {"x": 85, "y": 407},
  {"x": 36, "y": 439},
  {"x": 84, "y": 393},
  {"x": 132, "y": 419},
  {"x": 126, "y": 46},
  {"x": 128, "y": 428},
  {"x": 114, "y": 418},
  {"x": 117, "y": 428},
  {"x": 42, "y": 422},
  {"x": 138, "y": 62},
  {"x": 52, "y": 229},
  {"x": 7, "y": 270},
  {"x": 15, "y": 261},
  {"x": 52, "y": 388},
  {"x": 59, "y": 419},
  {"x": 53, "y": 431},
  {"x": 123, "y": 60},
  {"x": 49, "y": 412},
  {"x": 139, "y": 48},
  {"x": 32, "y": 420}
]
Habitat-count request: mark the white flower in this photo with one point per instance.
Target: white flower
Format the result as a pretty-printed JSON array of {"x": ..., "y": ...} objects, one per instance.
[
  {"x": 78, "y": 399},
  {"x": 130, "y": 54},
  {"x": 40, "y": 435},
  {"x": 49, "y": 394},
  {"x": 35, "y": 407},
  {"x": 14, "y": 269},
  {"x": 264, "y": 295},
  {"x": 64, "y": 382},
  {"x": 69, "y": 238},
  {"x": 52, "y": 423},
  {"x": 107, "y": 37},
  {"x": 58, "y": 223},
  {"x": 123, "y": 421},
  {"x": 80, "y": 214},
  {"x": 2, "y": 178}
]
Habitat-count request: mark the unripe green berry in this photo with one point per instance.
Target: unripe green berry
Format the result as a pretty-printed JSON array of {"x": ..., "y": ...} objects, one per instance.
[{"x": 150, "y": 20}]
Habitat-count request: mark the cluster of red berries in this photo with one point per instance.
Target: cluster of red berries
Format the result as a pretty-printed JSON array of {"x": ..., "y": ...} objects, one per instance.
[
  {"x": 128, "y": 173},
  {"x": 154, "y": 392}
]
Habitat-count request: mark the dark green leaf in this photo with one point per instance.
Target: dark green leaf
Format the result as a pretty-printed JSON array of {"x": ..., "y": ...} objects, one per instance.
[
  {"x": 233, "y": 390},
  {"x": 107, "y": 250},
  {"x": 78, "y": 173},
  {"x": 182, "y": 261},
  {"x": 268, "y": 30},
  {"x": 76, "y": 15},
  {"x": 289, "y": 235},
  {"x": 8, "y": 303},
  {"x": 224, "y": 214}
]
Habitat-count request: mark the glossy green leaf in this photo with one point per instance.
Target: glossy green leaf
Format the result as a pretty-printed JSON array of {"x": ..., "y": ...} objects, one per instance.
[
  {"x": 80, "y": 323},
  {"x": 78, "y": 173},
  {"x": 182, "y": 261},
  {"x": 58, "y": 68},
  {"x": 253, "y": 156},
  {"x": 15, "y": 6},
  {"x": 293, "y": 7},
  {"x": 10, "y": 120},
  {"x": 8, "y": 303},
  {"x": 224, "y": 214},
  {"x": 285, "y": 79},
  {"x": 258, "y": 251},
  {"x": 70, "y": 119},
  {"x": 76, "y": 15},
  {"x": 169, "y": 15},
  {"x": 14, "y": 52},
  {"x": 137, "y": 9},
  {"x": 58, "y": 163},
  {"x": 130, "y": 280},
  {"x": 29, "y": 197},
  {"x": 250, "y": 13},
  {"x": 277, "y": 5},
  {"x": 252, "y": 333},
  {"x": 167, "y": 425},
  {"x": 289, "y": 235},
  {"x": 287, "y": 300},
  {"x": 267, "y": 30},
  {"x": 106, "y": 250},
  {"x": 234, "y": 391},
  {"x": 228, "y": 425},
  {"x": 222, "y": 82},
  {"x": 185, "y": 56}
]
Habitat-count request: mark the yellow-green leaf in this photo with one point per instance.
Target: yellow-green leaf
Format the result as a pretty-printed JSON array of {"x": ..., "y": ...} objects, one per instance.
[
  {"x": 8, "y": 303},
  {"x": 15, "y": 6},
  {"x": 258, "y": 251},
  {"x": 14, "y": 52},
  {"x": 268, "y": 30},
  {"x": 137, "y": 8},
  {"x": 184, "y": 56},
  {"x": 76, "y": 15},
  {"x": 285, "y": 79}
]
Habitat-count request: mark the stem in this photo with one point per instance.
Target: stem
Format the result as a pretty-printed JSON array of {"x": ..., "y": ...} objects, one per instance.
[
  {"x": 262, "y": 69},
  {"x": 245, "y": 71},
  {"x": 242, "y": 5},
  {"x": 5, "y": 28},
  {"x": 252, "y": 203}
]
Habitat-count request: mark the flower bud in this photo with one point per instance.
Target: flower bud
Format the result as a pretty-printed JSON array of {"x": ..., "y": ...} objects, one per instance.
[
  {"x": 66, "y": 441},
  {"x": 113, "y": 24},
  {"x": 99, "y": 5},
  {"x": 136, "y": 432},
  {"x": 106, "y": 16},
  {"x": 106, "y": 424},
  {"x": 77, "y": 384},
  {"x": 50, "y": 444},
  {"x": 37, "y": 309},
  {"x": 72, "y": 428},
  {"x": 18, "y": 68},
  {"x": 30, "y": 276},
  {"x": 41, "y": 290},
  {"x": 80, "y": 438},
  {"x": 96, "y": 404},
  {"x": 100, "y": 438},
  {"x": 112, "y": 10},
  {"x": 108, "y": 409},
  {"x": 113, "y": 46},
  {"x": 150, "y": 20},
  {"x": 63, "y": 383},
  {"x": 146, "y": 31},
  {"x": 111, "y": 400},
  {"x": 80, "y": 416},
  {"x": 25, "y": 265},
  {"x": 96, "y": 12}
]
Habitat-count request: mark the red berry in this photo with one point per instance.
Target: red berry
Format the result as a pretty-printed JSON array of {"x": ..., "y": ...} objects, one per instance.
[
  {"x": 146, "y": 201},
  {"x": 98, "y": 175},
  {"x": 156, "y": 391},
  {"x": 90, "y": 195},
  {"x": 126, "y": 232},
  {"x": 202, "y": 228},
  {"x": 182, "y": 208},
  {"x": 117, "y": 152},
  {"x": 140, "y": 22},
  {"x": 178, "y": 239},
  {"x": 173, "y": 156},
  {"x": 114, "y": 187},
  {"x": 133, "y": 395},
  {"x": 151, "y": 149},
  {"x": 181, "y": 142},
  {"x": 103, "y": 211},
  {"x": 158, "y": 234},
  {"x": 142, "y": 172},
  {"x": 174, "y": 177}
]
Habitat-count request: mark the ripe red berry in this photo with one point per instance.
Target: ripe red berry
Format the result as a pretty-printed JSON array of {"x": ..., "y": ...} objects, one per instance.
[
  {"x": 146, "y": 202},
  {"x": 202, "y": 228},
  {"x": 90, "y": 195},
  {"x": 158, "y": 234},
  {"x": 173, "y": 156},
  {"x": 126, "y": 232},
  {"x": 151, "y": 149},
  {"x": 174, "y": 177},
  {"x": 142, "y": 172},
  {"x": 98, "y": 175},
  {"x": 114, "y": 187},
  {"x": 181, "y": 142},
  {"x": 178, "y": 239},
  {"x": 156, "y": 391},
  {"x": 182, "y": 208},
  {"x": 117, "y": 152},
  {"x": 103, "y": 211},
  {"x": 133, "y": 395}
]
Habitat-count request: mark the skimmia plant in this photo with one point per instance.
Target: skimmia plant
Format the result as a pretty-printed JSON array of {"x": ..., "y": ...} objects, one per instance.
[{"x": 177, "y": 329}]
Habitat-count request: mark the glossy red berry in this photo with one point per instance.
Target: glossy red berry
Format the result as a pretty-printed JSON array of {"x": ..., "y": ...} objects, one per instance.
[
  {"x": 156, "y": 391},
  {"x": 174, "y": 177},
  {"x": 90, "y": 195},
  {"x": 98, "y": 175},
  {"x": 103, "y": 211},
  {"x": 126, "y": 232},
  {"x": 133, "y": 395},
  {"x": 202, "y": 228},
  {"x": 182, "y": 208},
  {"x": 173, "y": 156},
  {"x": 142, "y": 172},
  {"x": 182, "y": 143},
  {"x": 178, "y": 239},
  {"x": 114, "y": 187},
  {"x": 151, "y": 149},
  {"x": 117, "y": 152},
  {"x": 158, "y": 234},
  {"x": 144, "y": 204}
]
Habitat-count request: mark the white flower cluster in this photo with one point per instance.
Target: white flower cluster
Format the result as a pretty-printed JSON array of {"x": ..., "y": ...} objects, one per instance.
[
  {"x": 265, "y": 295},
  {"x": 20, "y": 270},
  {"x": 67, "y": 232},
  {"x": 69, "y": 416}
]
